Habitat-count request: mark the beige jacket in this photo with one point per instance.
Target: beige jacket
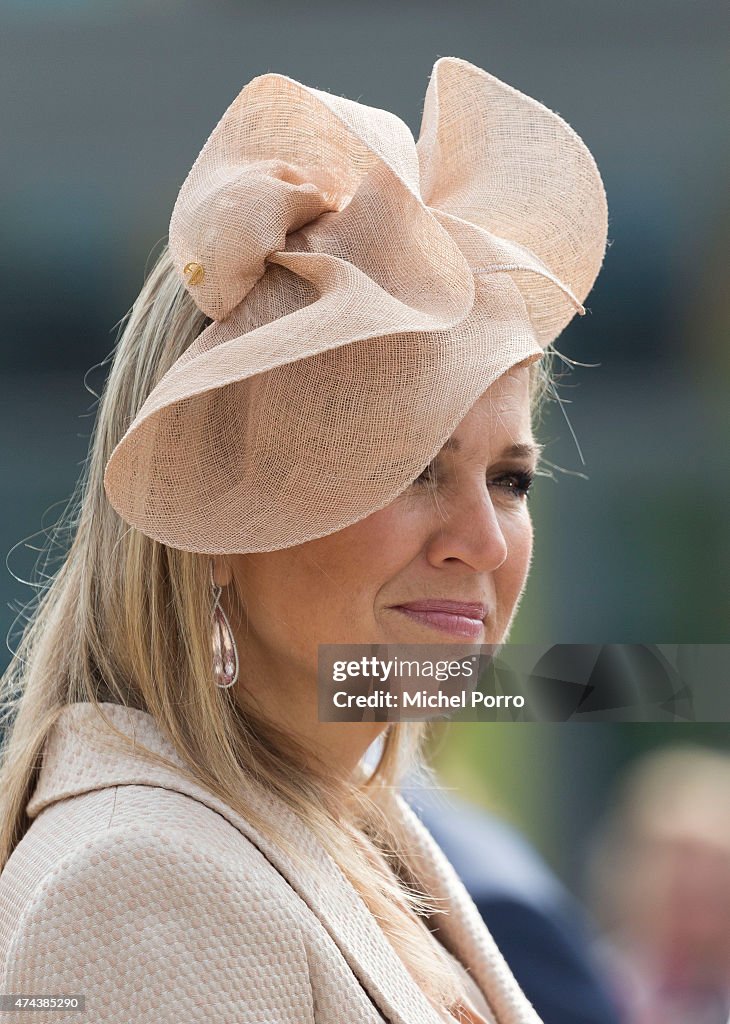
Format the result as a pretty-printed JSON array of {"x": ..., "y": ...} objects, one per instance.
[{"x": 157, "y": 902}]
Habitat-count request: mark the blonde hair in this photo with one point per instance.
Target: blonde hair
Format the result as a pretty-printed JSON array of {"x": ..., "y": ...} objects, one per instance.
[{"x": 126, "y": 619}]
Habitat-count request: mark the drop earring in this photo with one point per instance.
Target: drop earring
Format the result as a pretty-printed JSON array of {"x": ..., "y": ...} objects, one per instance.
[{"x": 225, "y": 651}]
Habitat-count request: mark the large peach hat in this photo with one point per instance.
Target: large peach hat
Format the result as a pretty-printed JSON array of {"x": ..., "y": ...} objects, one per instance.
[{"x": 365, "y": 289}]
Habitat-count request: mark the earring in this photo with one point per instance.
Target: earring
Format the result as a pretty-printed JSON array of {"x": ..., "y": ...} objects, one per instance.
[{"x": 225, "y": 652}]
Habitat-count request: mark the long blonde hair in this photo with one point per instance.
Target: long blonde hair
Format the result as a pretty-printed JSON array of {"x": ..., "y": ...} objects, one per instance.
[{"x": 125, "y": 619}]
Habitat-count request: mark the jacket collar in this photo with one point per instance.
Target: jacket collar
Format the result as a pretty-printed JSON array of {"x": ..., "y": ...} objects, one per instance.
[{"x": 80, "y": 756}]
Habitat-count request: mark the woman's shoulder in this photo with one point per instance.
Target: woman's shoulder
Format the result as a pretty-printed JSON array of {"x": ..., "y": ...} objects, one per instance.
[
  {"x": 148, "y": 895},
  {"x": 134, "y": 836}
]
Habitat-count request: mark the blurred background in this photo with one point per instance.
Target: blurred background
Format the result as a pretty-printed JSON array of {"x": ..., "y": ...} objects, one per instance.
[{"x": 106, "y": 106}]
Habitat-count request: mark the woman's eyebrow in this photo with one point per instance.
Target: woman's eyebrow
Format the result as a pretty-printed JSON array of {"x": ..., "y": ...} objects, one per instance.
[{"x": 524, "y": 450}]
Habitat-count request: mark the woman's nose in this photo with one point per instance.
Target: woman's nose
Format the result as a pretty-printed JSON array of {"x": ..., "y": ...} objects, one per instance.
[{"x": 468, "y": 527}]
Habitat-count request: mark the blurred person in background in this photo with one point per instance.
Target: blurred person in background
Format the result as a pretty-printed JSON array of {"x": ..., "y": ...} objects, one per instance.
[{"x": 659, "y": 883}]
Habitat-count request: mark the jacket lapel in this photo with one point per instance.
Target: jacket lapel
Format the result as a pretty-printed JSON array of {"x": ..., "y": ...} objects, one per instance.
[
  {"x": 80, "y": 757},
  {"x": 462, "y": 929}
]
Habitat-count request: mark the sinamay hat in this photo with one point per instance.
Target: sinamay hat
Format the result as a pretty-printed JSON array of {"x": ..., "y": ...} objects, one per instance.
[{"x": 365, "y": 290}]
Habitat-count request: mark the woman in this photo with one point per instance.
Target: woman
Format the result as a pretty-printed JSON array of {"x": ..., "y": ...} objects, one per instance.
[{"x": 319, "y": 413}]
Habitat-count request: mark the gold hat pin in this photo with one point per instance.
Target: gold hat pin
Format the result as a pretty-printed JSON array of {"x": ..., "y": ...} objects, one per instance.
[{"x": 194, "y": 272}]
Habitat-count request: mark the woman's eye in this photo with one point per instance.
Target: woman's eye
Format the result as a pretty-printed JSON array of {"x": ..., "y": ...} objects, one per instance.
[
  {"x": 518, "y": 482},
  {"x": 426, "y": 476}
]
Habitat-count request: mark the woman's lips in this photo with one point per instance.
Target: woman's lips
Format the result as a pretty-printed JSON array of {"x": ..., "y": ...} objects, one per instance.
[{"x": 446, "y": 622}]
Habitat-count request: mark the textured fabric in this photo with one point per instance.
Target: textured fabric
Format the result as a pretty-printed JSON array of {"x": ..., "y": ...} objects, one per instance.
[
  {"x": 149, "y": 895},
  {"x": 365, "y": 290},
  {"x": 474, "y": 998}
]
